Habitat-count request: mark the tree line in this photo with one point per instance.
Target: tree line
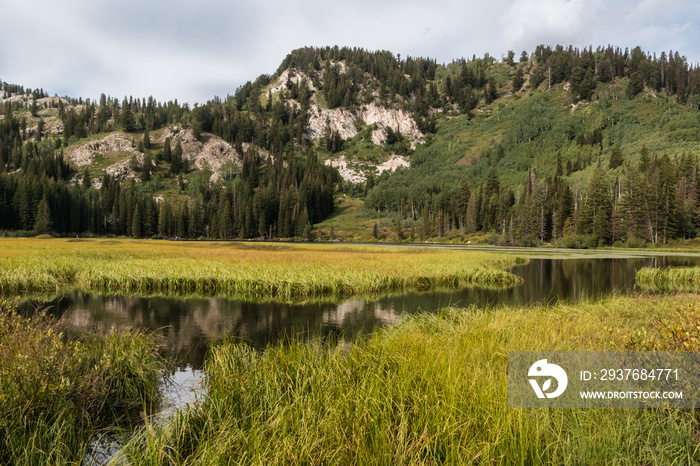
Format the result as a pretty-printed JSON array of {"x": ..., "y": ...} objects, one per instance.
[
  {"x": 653, "y": 200},
  {"x": 278, "y": 199}
]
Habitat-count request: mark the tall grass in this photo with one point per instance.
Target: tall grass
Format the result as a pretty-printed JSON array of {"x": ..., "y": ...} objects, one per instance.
[
  {"x": 286, "y": 271},
  {"x": 669, "y": 278},
  {"x": 57, "y": 393},
  {"x": 432, "y": 390}
]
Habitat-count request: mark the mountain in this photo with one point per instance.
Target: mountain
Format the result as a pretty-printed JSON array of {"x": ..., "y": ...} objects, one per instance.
[{"x": 579, "y": 147}]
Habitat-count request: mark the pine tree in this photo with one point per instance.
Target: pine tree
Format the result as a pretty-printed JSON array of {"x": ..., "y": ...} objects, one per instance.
[
  {"x": 598, "y": 207},
  {"x": 176, "y": 160},
  {"x": 472, "y": 214},
  {"x": 34, "y": 107},
  {"x": 616, "y": 158},
  {"x": 43, "y": 223},
  {"x": 167, "y": 151},
  {"x": 225, "y": 221},
  {"x": 136, "y": 223},
  {"x": 127, "y": 119},
  {"x": 644, "y": 159},
  {"x": 146, "y": 139},
  {"x": 518, "y": 80},
  {"x": 147, "y": 168},
  {"x": 303, "y": 223}
]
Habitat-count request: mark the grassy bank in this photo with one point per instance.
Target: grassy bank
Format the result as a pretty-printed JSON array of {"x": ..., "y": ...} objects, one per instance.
[
  {"x": 57, "y": 393},
  {"x": 432, "y": 390},
  {"x": 669, "y": 279},
  {"x": 285, "y": 271}
]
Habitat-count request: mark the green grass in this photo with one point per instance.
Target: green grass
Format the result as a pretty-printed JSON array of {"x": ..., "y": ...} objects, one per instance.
[
  {"x": 669, "y": 278},
  {"x": 348, "y": 222},
  {"x": 283, "y": 271},
  {"x": 431, "y": 391},
  {"x": 57, "y": 393}
]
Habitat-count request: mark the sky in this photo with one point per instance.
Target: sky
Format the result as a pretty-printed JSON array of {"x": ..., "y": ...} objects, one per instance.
[{"x": 193, "y": 50}]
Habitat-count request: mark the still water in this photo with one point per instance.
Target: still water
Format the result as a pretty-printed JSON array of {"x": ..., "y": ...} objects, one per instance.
[{"x": 188, "y": 326}]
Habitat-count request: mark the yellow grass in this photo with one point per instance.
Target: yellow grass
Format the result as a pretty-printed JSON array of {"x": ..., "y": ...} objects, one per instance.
[{"x": 251, "y": 269}]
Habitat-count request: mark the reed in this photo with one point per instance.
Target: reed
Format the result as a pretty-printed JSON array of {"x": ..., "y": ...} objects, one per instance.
[
  {"x": 253, "y": 270},
  {"x": 432, "y": 390},
  {"x": 669, "y": 278},
  {"x": 57, "y": 393}
]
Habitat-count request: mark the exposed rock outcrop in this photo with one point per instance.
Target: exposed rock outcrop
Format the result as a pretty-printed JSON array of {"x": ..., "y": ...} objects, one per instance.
[
  {"x": 397, "y": 120},
  {"x": 207, "y": 152},
  {"x": 355, "y": 173},
  {"x": 342, "y": 120},
  {"x": 337, "y": 119},
  {"x": 122, "y": 170},
  {"x": 84, "y": 154},
  {"x": 294, "y": 76}
]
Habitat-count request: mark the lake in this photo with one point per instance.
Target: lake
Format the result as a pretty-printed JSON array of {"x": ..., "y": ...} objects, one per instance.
[{"x": 188, "y": 326}]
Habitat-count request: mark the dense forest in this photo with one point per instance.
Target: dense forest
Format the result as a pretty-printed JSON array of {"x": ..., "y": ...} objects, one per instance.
[
  {"x": 40, "y": 192},
  {"x": 579, "y": 146}
]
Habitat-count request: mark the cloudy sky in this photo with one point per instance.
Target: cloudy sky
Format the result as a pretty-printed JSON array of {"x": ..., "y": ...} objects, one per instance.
[{"x": 193, "y": 50}]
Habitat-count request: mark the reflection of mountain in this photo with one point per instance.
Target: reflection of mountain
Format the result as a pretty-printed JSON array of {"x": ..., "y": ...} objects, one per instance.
[
  {"x": 359, "y": 312},
  {"x": 188, "y": 325}
]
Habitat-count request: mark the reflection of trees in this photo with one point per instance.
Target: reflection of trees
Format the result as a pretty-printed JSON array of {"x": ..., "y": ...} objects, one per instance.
[{"x": 188, "y": 326}]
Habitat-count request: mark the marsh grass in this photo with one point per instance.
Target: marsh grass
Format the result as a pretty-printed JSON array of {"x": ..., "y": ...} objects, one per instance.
[
  {"x": 669, "y": 278},
  {"x": 432, "y": 390},
  {"x": 56, "y": 393},
  {"x": 240, "y": 269}
]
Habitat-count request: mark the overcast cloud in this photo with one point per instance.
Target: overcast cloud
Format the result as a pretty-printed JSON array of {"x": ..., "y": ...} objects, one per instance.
[{"x": 193, "y": 51}]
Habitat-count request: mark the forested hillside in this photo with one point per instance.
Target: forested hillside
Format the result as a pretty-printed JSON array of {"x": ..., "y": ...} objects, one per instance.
[
  {"x": 576, "y": 146},
  {"x": 594, "y": 146}
]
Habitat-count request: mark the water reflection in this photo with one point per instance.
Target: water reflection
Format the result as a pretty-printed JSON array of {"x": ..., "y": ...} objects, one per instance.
[{"x": 189, "y": 325}]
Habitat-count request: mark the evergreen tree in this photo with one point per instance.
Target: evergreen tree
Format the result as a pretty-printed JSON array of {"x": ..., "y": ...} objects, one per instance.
[
  {"x": 518, "y": 79},
  {"x": 167, "y": 152},
  {"x": 146, "y": 168},
  {"x": 176, "y": 164},
  {"x": 616, "y": 158},
  {"x": 43, "y": 223},
  {"x": 127, "y": 119},
  {"x": 136, "y": 222},
  {"x": 472, "y": 214},
  {"x": 226, "y": 221},
  {"x": 598, "y": 208},
  {"x": 146, "y": 139}
]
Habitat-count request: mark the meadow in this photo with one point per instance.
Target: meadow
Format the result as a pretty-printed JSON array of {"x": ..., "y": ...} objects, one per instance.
[
  {"x": 252, "y": 270},
  {"x": 432, "y": 390}
]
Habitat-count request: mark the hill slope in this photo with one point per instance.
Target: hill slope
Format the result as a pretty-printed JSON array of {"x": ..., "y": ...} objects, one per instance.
[{"x": 580, "y": 146}]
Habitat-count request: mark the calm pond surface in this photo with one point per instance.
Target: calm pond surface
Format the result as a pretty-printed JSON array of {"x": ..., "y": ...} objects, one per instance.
[{"x": 189, "y": 325}]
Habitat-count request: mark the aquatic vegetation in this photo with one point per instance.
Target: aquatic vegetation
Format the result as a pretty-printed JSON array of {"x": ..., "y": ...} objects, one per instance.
[
  {"x": 431, "y": 390},
  {"x": 669, "y": 278},
  {"x": 253, "y": 270},
  {"x": 57, "y": 393}
]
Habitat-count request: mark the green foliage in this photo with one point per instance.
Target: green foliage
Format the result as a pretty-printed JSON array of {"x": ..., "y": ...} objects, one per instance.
[
  {"x": 43, "y": 217},
  {"x": 518, "y": 79},
  {"x": 669, "y": 278},
  {"x": 433, "y": 390},
  {"x": 57, "y": 393},
  {"x": 616, "y": 158}
]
